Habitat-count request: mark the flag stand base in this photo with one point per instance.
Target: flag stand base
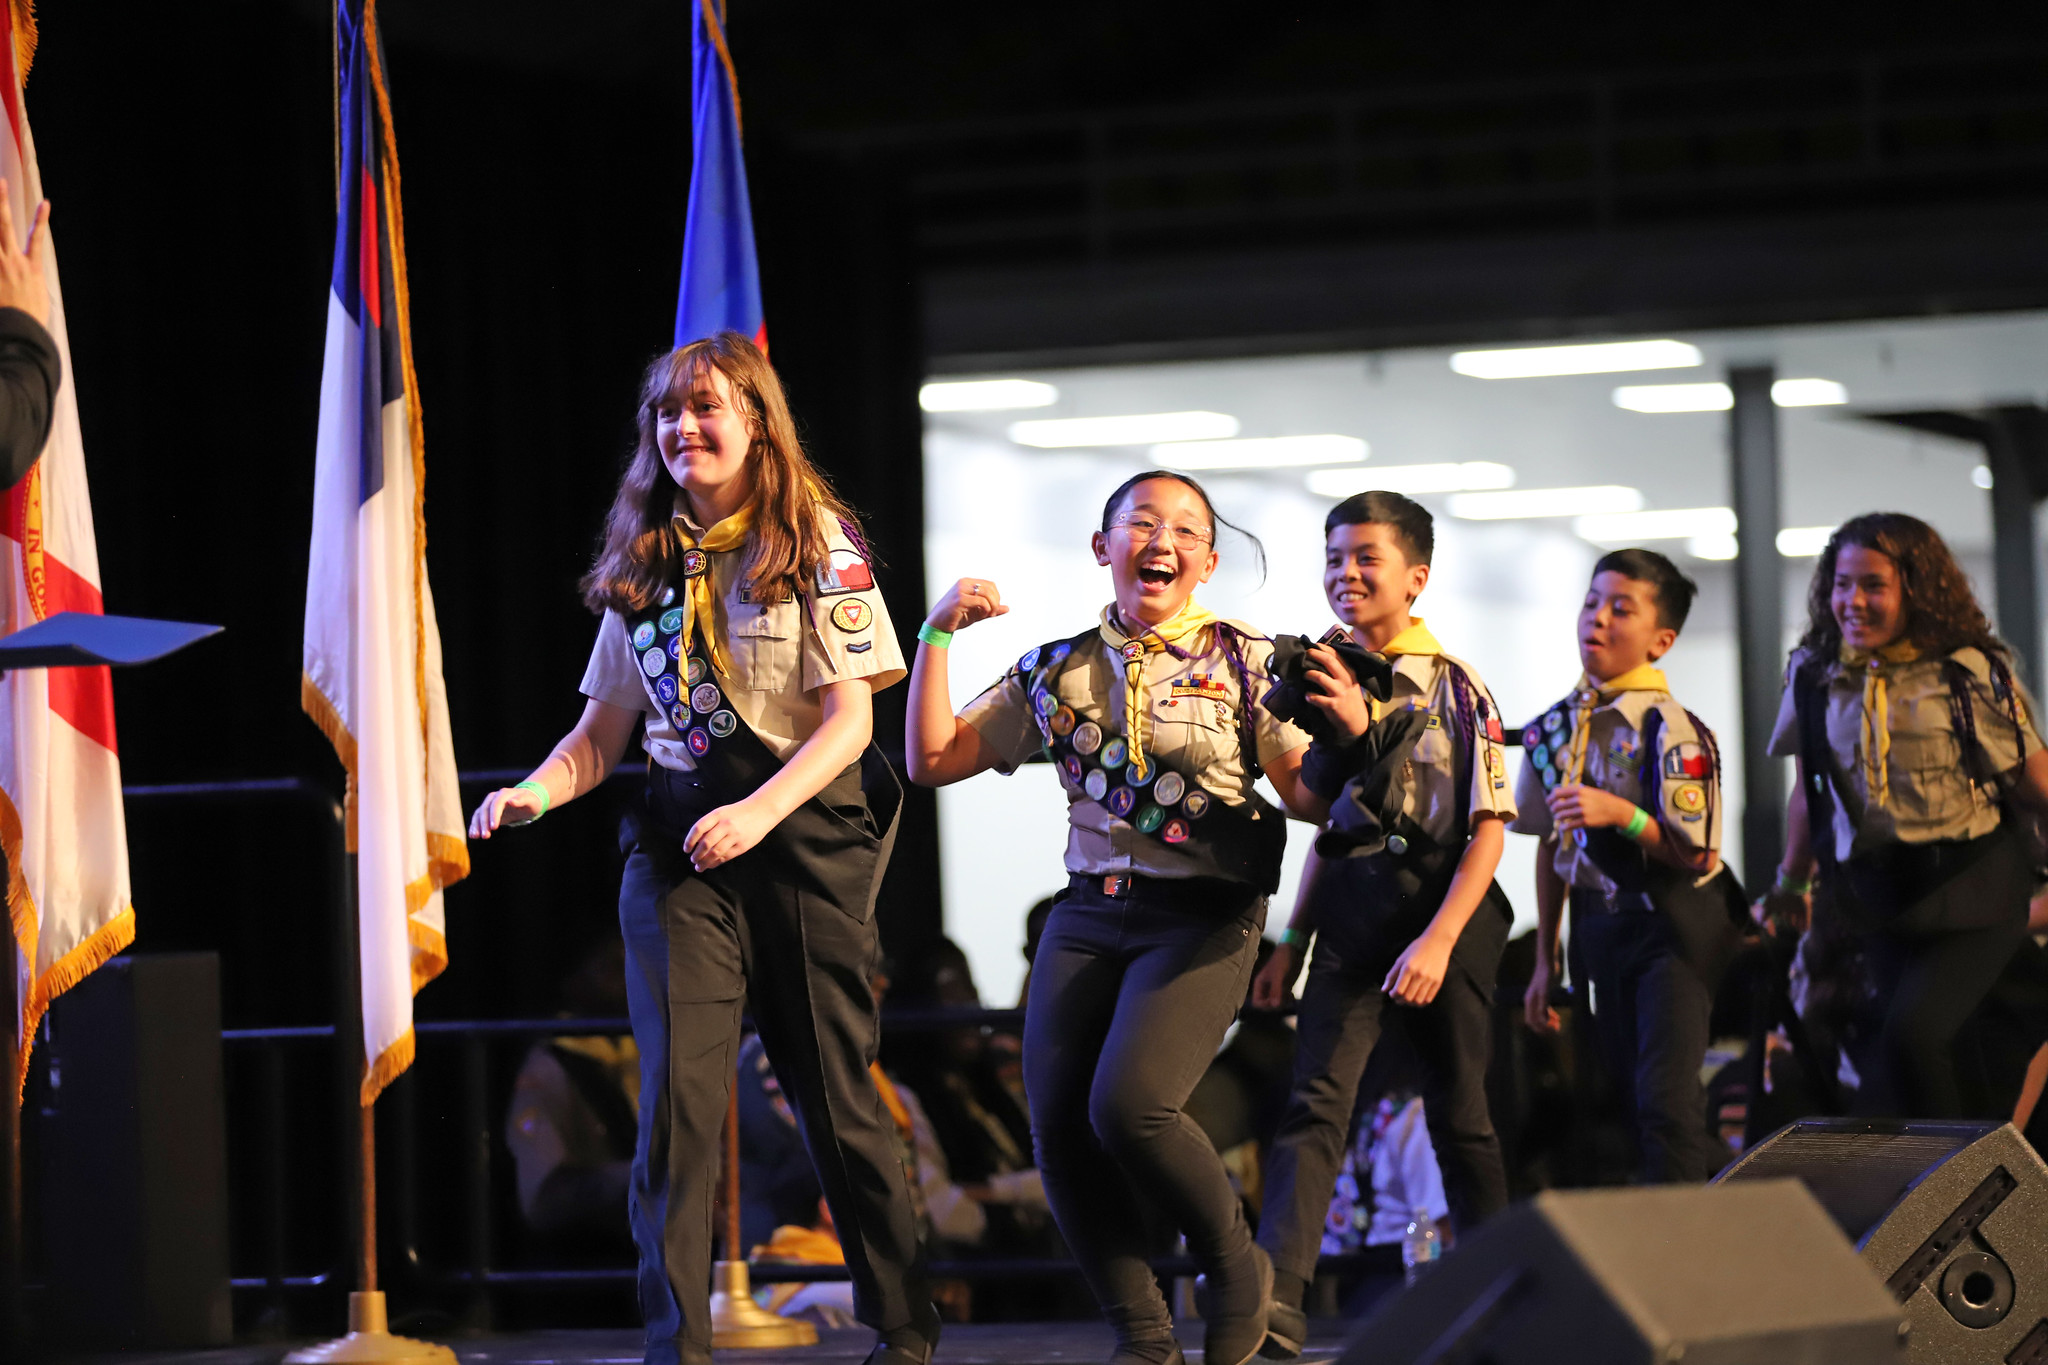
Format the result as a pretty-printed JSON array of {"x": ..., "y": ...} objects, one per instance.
[
  {"x": 736, "y": 1320},
  {"x": 369, "y": 1340}
]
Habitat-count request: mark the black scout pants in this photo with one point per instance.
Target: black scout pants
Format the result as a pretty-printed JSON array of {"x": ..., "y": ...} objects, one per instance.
[
  {"x": 1650, "y": 1009},
  {"x": 787, "y": 929},
  {"x": 1343, "y": 1011},
  {"x": 1130, "y": 998}
]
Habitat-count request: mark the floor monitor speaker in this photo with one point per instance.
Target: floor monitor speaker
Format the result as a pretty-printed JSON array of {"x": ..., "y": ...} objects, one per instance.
[
  {"x": 1747, "y": 1274},
  {"x": 1951, "y": 1217}
]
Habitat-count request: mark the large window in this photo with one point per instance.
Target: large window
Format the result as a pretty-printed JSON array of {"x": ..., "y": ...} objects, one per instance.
[{"x": 1529, "y": 476}]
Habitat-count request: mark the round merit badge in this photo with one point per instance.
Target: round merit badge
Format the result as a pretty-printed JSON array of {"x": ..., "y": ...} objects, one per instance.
[
  {"x": 1070, "y": 768},
  {"x": 1096, "y": 784},
  {"x": 852, "y": 614},
  {"x": 704, "y": 698},
  {"x": 1045, "y": 703},
  {"x": 1029, "y": 661},
  {"x": 723, "y": 723},
  {"x": 1689, "y": 796},
  {"x": 1087, "y": 737},
  {"x": 699, "y": 742},
  {"x": 643, "y": 635},
  {"x": 1059, "y": 652},
  {"x": 694, "y": 563},
  {"x": 1554, "y": 722},
  {"x": 1494, "y": 762},
  {"x": 653, "y": 661},
  {"x": 1138, "y": 779},
  {"x": 699, "y": 669},
  {"x": 666, "y": 688},
  {"x": 1540, "y": 755},
  {"x": 1175, "y": 831},
  {"x": 1113, "y": 753},
  {"x": 1532, "y": 736},
  {"x": 1169, "y": 789},
  {"x": 668, "y": 595},
  {"x": 1149, "y": 818},
  {"x": 679, "y": 716},
  {"x": 1196, "y": 804},
  {"x": 675, "y": 646},
  {"x": 1063, "y": 721},
  {"x": 672, "y": 620},
  {"x": 1549, "y": 776},
  {"x": 1121, "y": 801}
]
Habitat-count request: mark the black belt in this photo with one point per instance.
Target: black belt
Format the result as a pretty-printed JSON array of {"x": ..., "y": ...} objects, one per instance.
[
  {"x": 1130, "y": 885},
  {"x": 1587, "y": 901}
]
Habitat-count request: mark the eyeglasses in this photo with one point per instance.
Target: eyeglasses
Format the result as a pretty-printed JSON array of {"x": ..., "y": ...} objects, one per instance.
[{"x": 1145, "y": 530}]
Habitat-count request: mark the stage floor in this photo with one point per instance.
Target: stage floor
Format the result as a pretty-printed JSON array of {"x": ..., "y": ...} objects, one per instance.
[{"x": 1016, "y": 1343}]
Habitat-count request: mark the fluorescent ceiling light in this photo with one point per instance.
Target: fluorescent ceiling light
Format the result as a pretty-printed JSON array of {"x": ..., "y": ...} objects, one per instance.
[
  {"x": 1712, "y": 547},
  {"x": 1803, "y": 542},
  {"x": 1547, "y": 502},
  {"x": 1671, "y": 523},
  {"x": 1808, "y": 393},
  {"x": 985, "y": 395},
  {"x": 1411, "y": 479},
  {"x": 1139, "y": 429},
  {"x": 1786, "y": 393},
  {"x": 1606, "y": 357},
  {"x": 1261, "y": 452},
  {"x": 1674, "y": 397}
]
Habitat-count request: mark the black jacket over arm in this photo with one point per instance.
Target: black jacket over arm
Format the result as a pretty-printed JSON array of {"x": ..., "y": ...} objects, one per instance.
[{"x": 29, "y": 372}]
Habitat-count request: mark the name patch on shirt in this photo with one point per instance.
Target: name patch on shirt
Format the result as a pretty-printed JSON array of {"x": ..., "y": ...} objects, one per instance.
[{"x": 1201, "y": 685}]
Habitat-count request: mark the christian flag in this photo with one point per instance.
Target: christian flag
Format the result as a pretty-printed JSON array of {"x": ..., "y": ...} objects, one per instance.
[
  {"x": 721, "y": 286},
  {"x": 60, "y": 777},
  {"x": 373, "y": 651}
]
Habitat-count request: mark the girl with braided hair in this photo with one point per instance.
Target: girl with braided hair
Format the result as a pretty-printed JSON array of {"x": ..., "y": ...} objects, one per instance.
[
  {"x": 1920, "y": 769},
  {"x": 1155, "y": 721}
]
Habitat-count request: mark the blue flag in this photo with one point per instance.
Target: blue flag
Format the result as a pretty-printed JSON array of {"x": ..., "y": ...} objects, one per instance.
[{"x": 721, "y": 285}]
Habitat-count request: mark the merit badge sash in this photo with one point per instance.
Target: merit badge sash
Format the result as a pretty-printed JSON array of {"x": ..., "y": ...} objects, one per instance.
[
  {"x": 679, "y": 677},
  {"x": 1156, "y": 800}
]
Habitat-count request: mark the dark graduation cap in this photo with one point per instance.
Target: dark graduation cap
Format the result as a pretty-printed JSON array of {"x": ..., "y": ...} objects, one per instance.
[{"x": 78, "y": 639}]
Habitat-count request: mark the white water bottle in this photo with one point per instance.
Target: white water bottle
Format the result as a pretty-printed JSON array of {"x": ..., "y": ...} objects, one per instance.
[{"x": 1420, "y": 1245}]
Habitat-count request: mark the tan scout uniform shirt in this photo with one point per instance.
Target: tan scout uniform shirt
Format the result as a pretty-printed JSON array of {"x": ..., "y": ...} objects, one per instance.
[
  {"x": 1934, "y": 793},
  {"x": 783, "y": 653},
  {"x": 1423, "y": 681},
  {"x": 1691, "y": 808},
  {"x": 1192, "y": 729}
]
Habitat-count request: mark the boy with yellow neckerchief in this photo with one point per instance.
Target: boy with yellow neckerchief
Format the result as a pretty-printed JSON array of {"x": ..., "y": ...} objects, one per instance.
[
  {"x": 1623, "y": 786},
  {"x": 1400, "y": 898}
]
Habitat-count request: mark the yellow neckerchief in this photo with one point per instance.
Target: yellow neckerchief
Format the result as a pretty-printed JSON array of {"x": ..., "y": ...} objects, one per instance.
[
  {"x": 1184, "y": 623},
  {"x": 700, "y": 596},
  {"x": 1414, "y": 638},
  {"x": 1877, "y": 720},
  {"x": 1588, "y": 695}
]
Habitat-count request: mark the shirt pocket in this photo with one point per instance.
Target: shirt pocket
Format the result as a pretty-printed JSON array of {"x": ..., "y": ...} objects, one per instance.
[
  {"x": 1194, "y": 734},
  {"x": 1927, "y": 778},
  {"x": 766, "y": 645}
]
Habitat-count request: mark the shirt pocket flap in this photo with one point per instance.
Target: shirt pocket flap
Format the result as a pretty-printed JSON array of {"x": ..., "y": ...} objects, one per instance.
[{"x": 774, "y": 622}]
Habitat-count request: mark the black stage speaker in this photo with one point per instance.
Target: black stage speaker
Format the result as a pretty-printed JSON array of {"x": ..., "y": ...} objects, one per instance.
[
  {"x": 1750, "y": 1274},
  {"x": 1952, "y": 1217},
  {"x": 135, "y": 1189}
]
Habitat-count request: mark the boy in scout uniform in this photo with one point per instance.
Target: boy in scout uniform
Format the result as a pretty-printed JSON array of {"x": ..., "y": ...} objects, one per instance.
[
  {"x": 741, "y": 628},
  {"x": 1406, "y": 913},
  {"x": 1622, "y": 784}
]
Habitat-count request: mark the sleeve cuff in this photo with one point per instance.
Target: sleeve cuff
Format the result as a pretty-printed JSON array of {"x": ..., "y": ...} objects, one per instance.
[{"x": 1326, "y": 768}]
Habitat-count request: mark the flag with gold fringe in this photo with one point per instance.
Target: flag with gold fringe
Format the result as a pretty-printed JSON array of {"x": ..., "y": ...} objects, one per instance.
[
  {"x": 61, "y": 818},
  {"x": 372, "y": 662}
]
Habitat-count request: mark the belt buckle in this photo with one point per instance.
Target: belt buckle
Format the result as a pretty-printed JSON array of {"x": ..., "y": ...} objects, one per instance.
[{"x": 1115, "y": 884}]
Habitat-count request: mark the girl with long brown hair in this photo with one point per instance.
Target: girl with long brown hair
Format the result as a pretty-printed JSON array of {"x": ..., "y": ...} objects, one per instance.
[
  {"x": 1919, "y": 753},
  {"x": 742, "y": 627}
]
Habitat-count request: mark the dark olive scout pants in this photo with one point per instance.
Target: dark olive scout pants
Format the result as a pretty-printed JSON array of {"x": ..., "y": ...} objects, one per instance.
[
  {"x": 1130, "y": 998},
  {"x": 1343, "y": 1012},
  {"x": 781, "y": 929}
]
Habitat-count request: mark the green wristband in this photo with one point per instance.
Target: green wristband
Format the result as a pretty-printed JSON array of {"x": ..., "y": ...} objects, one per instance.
[
  {"x": 1297, "y": 938},
  {"x": 933, "y": 636},
  {"x": 1637, "y": 823},
  {"x": 538, "y": 790},
  {"x": 1790, "y": 887}
]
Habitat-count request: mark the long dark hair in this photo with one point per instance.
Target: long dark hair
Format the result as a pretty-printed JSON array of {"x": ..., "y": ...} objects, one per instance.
[
  {"x": 1116, "y": 500},
  {"x": 1941, "y": 612},
  {"x": 790, "y": 497}
]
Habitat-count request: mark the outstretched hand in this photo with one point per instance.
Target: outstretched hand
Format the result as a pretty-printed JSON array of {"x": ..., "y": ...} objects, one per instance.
[
  {"x": 23, "y": 283},
  {"x": 505, "y": 806},
  {"x": 1333, "y": 689},
  {"x": 967, "y": 601}
]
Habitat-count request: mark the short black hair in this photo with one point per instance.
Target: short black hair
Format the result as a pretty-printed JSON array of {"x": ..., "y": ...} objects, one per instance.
[
  {"x": 1674, "y": 590},
  {"x": 1414, "y": 528}
]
